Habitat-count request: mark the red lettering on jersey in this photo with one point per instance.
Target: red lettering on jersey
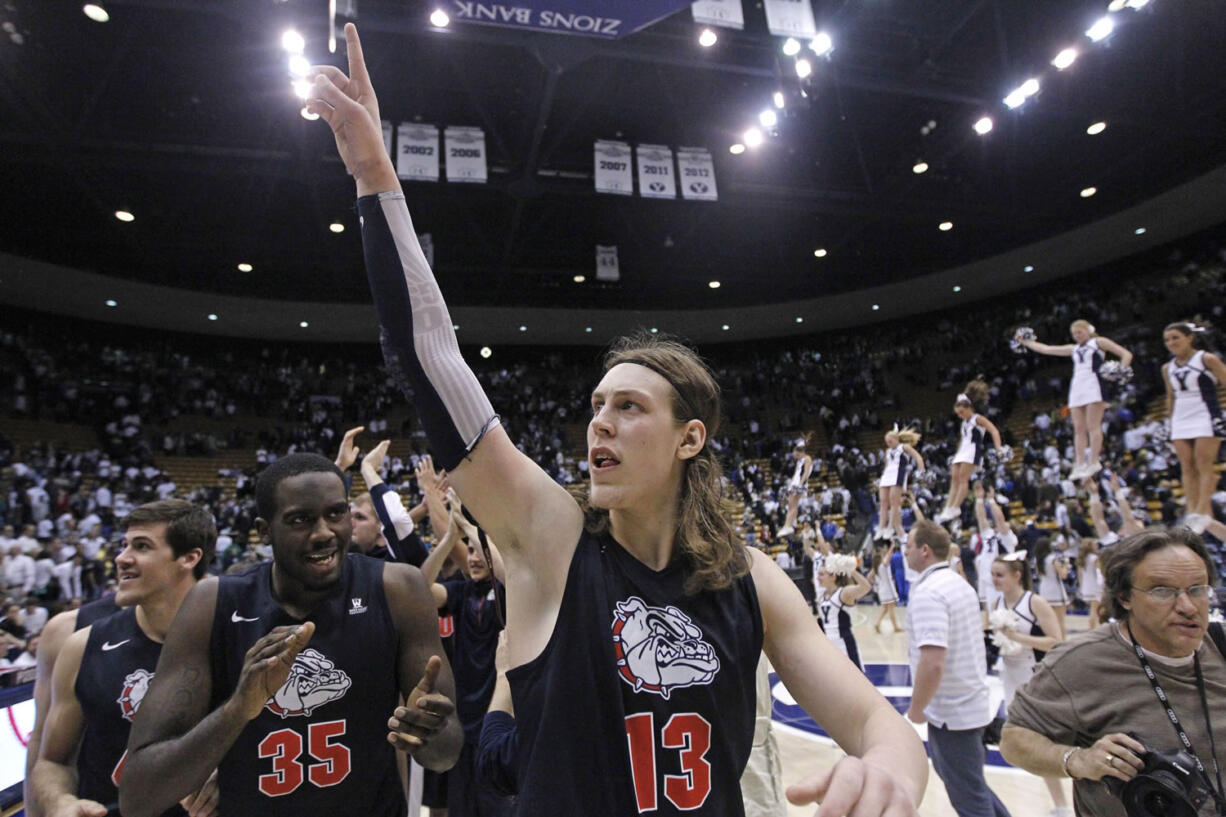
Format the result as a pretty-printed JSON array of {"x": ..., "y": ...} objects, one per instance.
[
  {"x": 283, "y": 746},
  {"x": 334, "y": 756},
  {"x": 446, "y": 626},
  {"x": 691, "y": 734},
  {"x": 641, "y": 735}
]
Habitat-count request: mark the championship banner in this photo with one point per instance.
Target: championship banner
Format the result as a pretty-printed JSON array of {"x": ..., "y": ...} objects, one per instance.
[
  {"x": 387, "y": 137},
  {"x": 465, "y": 154},
  {"x": 608, "y": 19},
  {"x": 697, "y": 174},
  {"x": 656, "y": 180},
  {"x": 726, "y": 13},
  {"x": 606, "y": 264},
  {"x": 417, "y": 152},
  {"x": 790, "y": 18},
  {"x": 612, "y": 169}
]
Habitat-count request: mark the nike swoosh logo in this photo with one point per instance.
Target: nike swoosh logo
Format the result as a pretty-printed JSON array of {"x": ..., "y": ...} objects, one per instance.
[
  {"x": 108, "y": 646},
  {"x": 236, "y": 618}
]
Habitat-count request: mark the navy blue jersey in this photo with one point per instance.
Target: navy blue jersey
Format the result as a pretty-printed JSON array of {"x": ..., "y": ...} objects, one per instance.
[
  {"x": 643, "y": 699},
  {"x": 478, "y": 622},
  {"x": 100, "y": 608},
  {"x": 319, "y": 746},
  {"x": 116, "y": 668}
]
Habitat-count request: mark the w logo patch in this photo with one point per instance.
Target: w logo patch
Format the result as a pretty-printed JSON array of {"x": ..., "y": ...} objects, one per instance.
[{"x": 660, "y": 649}]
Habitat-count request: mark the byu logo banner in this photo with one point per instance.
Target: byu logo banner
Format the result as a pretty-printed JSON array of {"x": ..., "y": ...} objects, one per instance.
[
  {"x": 656, "y": 172},
  {"x": 608, "y": 19},
  {"x": 606, "y": 264},
  {"x": 612, "y": 172},
  {"x": 790, "y": 18},
  {"x": 417, "y": 152},
  {"x": 697, "y": 174},
  {"x": 465, "y": 154},
  {"x": 726, "y": 13}
]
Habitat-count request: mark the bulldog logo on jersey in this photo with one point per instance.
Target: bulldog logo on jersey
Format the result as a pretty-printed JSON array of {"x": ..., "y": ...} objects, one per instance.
[
  {"x": 313, "y": 681},
  {"x": 135, "y": 685},
  {"x": 659, "y": 649}
]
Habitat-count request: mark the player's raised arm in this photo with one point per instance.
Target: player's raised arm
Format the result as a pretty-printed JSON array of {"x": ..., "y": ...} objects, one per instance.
[
  {"x": 176, "y": 743},
  {"x": 517, "y": 502}
]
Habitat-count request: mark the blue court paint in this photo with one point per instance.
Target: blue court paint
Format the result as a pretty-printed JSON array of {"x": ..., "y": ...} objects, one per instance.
[{"x": 894, "y": 682}]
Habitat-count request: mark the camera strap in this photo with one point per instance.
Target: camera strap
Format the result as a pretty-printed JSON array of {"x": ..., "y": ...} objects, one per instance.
[{"x": 1219, "y": 794}]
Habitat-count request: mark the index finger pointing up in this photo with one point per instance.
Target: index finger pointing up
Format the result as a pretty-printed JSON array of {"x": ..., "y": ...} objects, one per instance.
[
  {"x": 428, "y": 679},
  {"x": 357, "y": 63}
]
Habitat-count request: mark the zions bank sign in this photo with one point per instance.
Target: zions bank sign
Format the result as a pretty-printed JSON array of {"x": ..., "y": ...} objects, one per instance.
[{"x": 609, "y": 19}]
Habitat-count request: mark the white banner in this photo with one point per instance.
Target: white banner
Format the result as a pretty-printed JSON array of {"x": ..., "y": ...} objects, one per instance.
[
  {"x": 465, "y": 154},
  {"x": 606, "y": 264},
  {"x": 612, "y": 168},
  {"x": 656, "y": 180},
  {"x": 726, "y": 13},
  {"x": 387, "y": 137},
  {"x": 697, "y": 173},
  {"x": 790, "y": 18},
  {"x": 417, "y": 152}
]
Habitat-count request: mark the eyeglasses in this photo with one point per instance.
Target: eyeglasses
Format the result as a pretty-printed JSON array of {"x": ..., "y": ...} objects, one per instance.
[{"x": 1166, "y": 595}]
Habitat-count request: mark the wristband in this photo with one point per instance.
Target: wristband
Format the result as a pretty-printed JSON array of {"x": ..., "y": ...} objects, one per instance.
[{"x": 1064, "y": 761}]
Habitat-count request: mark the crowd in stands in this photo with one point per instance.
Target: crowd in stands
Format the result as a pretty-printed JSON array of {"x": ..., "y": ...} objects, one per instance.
[{"x": 147, "y": 398}]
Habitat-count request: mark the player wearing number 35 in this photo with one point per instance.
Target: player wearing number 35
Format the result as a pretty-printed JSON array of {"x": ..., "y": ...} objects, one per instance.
[
  {"x": 286, "y": 678},
  {"x": 635, "y": 621}
]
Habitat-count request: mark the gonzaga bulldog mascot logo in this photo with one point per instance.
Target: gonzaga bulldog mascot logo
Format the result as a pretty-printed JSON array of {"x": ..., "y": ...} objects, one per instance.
[
  {"x": 659, "y": 649},
  {"x": 135, "y": 685},
  {"x": 313, "y": 681}
]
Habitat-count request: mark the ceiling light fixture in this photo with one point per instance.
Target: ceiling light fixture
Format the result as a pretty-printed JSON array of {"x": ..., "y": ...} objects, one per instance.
[
  {"x": 579, "y": 279},
  {"x": 799, "y": 319},
  {"x": 752, "y": 137},
  {"x": 124, "y": 216},
  {"x": 768, "y": 118},
  {"x": 302, "y": 88},
  {"x": 1101, "y": 29},
  {"x": 293, "y": 42},
  {"x": 724, "y": 327},
  {"x": 1023, "y": 92},
  {"x": 707, "y": 38},
  {"x": 1086, "y": 192},
  {"x": 957, "y": 288},
  {"x": 244, "y": 267},
  {"x": 303, "y": 324},
  {"x": 486, "y": 351},
  {"x": 1139, "y": 231},
  {"x": 523, "y": 329},
  {"x": 791, "y": 47},
  {"x": 439, "y": 19},
  {"x": 820, "y": 252},
  {"x": 587, "y": 329},
  {"x": 803, "y": 68},
  {"x": 336, "y": 227},
  {"x": 1117, "y": 5},
  {"x": 919, "y": 167},
  {"x": 945, "y": 226},
  {"x": 983, "y": 125},
  {"x": 212, "y": 316},
  {"x": 876, "y": 307},
  {"x": 112, "y": 303},
  {"x": 1065, "y": 58},
  {"x": 1096, "y": 128},
  {"x": 1028, "y": 268},
  {"x": 779, "y": 100},
  {"x": 307, "y": 115},
  {"x": 821, "y": 45},
  {"x": 299, "y": 66},
  {"x": 95, "y": 12},
  {"x": 736, "y": 149},
  {"x": 713, "y": 284}
]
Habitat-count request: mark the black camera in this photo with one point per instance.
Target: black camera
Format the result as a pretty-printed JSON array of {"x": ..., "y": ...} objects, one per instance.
[{"x": 1169, "y": 785}]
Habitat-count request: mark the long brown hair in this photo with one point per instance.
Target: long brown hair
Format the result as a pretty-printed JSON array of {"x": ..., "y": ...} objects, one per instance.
[
  {"x": 704, "y": 536},
  {"x": 976, "y": 392}
]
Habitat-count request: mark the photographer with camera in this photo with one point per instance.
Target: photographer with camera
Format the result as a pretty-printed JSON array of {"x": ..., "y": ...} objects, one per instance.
[{"x": 1130, "y": 710}]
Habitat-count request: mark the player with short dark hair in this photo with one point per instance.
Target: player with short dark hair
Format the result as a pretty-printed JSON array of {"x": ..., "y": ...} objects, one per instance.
[
  {"x": 283, "y": 676},
  {"x": 104, "y": 670}
]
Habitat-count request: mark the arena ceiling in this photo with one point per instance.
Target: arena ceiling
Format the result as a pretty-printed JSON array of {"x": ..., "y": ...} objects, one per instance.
[{"x": 180, "y": 111}]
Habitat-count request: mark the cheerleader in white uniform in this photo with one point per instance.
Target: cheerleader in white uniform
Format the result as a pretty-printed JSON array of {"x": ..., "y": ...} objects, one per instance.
[
  {"x": 900, "y": 460},
  {"x": 882, "y": 579},
  {"x": 970, "y": 447},
  {"x": 1037, "y": 633},
  {"x": 1053, "y": 570},
  {"x": 840, "y": 587},
  {"x": 997, "y": 539},
  {"x": 1089, "y": 578},
  {"x": 1192, "y": 377},
  {"x": 797, "y": 486},
  {"x": 1085, "y": 393}
]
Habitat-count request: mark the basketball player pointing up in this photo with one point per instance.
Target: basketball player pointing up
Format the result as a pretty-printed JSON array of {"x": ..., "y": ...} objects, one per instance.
[
  {"x": 283, "y": 677},
  {"x": 634, "y": 624}
]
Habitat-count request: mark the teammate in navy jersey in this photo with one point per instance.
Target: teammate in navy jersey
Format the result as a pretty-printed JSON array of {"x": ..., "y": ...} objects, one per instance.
[
  {"x": 50, "y": 642},
  {"x": 476, "y": 604},
  {"x": 1087, "y": 394},
  {"x": 104, "y": 669},
  {"x": 971, "y": 447},
  {"x": 283, "y": 677},
  {"x": 1192, "y": 377},
  {"x": 634, "y": 628}
]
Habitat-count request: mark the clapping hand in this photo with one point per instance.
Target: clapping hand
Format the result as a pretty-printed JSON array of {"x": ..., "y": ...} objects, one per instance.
[{"x": 348, "y": 454}]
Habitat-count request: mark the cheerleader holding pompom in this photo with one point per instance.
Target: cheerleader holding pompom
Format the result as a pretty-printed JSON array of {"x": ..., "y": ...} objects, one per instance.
[
  {"x": 1197, "y": 426},
  {"x": 971, "y": 447},
  {"x": 900, "y": 462},
  {"x": 1086, "y": 390},
  {"x": 841, "y": 585},
  {"x": 798, "y": 485}
]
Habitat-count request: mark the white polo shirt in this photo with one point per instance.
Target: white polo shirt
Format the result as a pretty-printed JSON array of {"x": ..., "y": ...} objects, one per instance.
[{"x": 943, "y": 611}]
